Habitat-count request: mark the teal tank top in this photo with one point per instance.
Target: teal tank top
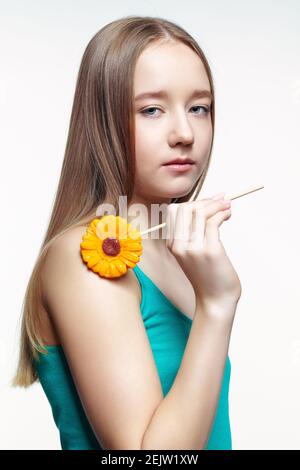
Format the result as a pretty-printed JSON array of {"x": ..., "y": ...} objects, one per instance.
[{"x": 168, "y": 331}]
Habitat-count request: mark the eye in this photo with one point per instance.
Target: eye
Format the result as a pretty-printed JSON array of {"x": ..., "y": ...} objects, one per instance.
[
  {"x": 206, "y": 110},
  {"x": 144, "y": 111}
]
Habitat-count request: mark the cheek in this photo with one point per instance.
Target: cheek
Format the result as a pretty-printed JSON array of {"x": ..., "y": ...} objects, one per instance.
[
  {"x": 205, "y": 138},
  {"x": 146, "y": 147},
  {"x": 144, "y": 131}
]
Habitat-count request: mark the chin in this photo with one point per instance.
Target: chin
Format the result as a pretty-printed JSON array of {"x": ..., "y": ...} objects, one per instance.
[{"x": 177, "y": 194}]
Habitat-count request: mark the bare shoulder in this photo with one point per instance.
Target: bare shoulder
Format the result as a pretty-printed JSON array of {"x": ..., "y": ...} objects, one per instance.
[{"x": 64, "y": 258}]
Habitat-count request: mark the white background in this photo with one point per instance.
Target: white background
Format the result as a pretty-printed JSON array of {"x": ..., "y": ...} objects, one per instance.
[{"x": 253, "y": 49}]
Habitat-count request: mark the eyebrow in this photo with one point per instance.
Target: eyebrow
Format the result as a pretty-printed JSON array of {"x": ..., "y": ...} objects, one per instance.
[{"x": 164, "y": 94}]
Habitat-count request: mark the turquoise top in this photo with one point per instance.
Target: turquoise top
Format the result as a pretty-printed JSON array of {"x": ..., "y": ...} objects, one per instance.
[{"x": 168, "y": 331}]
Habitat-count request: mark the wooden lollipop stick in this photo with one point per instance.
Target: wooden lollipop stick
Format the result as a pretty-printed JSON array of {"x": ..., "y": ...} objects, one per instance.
[
  {"x": 251, "y": 190},
  {"x": 153, "y": 228}
]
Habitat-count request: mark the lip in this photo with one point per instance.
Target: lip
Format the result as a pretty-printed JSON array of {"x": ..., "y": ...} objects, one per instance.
[
  {"x": 179, "y": 160},
  {"x": 179, "y": 167}
]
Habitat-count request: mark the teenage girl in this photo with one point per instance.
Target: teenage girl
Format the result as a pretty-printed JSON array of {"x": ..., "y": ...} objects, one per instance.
[{"x": 139, "y": 361}]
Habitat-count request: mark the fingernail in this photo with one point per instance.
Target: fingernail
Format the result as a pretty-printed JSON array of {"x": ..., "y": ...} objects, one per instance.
[{"x": 218, "y": 196}]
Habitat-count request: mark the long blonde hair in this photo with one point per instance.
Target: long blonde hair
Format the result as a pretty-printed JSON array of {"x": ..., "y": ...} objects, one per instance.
[{"x": 99, "y": 159}]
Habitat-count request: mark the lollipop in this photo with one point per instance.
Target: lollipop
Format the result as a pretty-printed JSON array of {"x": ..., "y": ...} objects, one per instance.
[{"x": 110, "y": 245}]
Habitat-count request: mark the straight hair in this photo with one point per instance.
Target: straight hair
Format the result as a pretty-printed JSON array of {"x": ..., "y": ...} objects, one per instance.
[{"x": 99, "y": 158}]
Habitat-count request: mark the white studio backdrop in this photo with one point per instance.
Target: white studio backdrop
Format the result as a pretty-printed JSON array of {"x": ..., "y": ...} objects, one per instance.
[{"x": 253, "y": 49}]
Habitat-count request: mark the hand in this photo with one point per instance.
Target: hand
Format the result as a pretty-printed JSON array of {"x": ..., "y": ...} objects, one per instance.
[{"x": 194, "y": 240}]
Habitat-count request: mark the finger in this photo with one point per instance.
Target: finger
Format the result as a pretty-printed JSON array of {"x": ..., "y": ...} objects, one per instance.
[
  {"x": 209, "y": 206},
  {"x": 181, "y": 221},
  {"x": 200, "y": 203},
  {"x": 189, "y": 231},
  {"x": 218, "y": 196},
  {"x": 212, "y": 234},
  {"x": 205, "y": 201},
  {"x": 214, "y": 207}
]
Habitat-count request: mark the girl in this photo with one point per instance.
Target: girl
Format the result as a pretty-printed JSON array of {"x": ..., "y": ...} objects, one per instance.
[{"x": 140, "y": 361}]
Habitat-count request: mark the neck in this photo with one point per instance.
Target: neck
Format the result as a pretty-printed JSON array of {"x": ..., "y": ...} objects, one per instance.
[{"x": 142, "y": 218}]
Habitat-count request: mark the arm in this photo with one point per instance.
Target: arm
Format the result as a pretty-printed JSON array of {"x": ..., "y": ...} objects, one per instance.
[
  {"x": 184, "y": 418},
  {"x": 101, "y": 329}
]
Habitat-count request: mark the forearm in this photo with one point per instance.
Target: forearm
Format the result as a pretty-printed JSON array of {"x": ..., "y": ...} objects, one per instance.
[{"x": 184, "y": 418}]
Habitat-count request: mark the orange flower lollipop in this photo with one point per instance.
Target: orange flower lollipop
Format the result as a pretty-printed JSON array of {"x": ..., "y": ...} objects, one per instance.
[{"x": 110, "y": 246}]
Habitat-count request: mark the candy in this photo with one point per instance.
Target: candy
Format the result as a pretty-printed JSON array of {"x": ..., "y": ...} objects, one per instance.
[{"x": 110, "y": 246}]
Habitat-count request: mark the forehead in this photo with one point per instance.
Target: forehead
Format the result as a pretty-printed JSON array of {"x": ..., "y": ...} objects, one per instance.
[{"x": 172, "y": 66}]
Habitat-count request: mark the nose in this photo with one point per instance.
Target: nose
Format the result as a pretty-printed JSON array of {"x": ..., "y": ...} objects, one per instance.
[{"x": 181, "y": 132}]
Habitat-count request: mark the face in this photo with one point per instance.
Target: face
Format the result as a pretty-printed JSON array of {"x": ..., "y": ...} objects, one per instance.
[{"x": 173, "y": 126}]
